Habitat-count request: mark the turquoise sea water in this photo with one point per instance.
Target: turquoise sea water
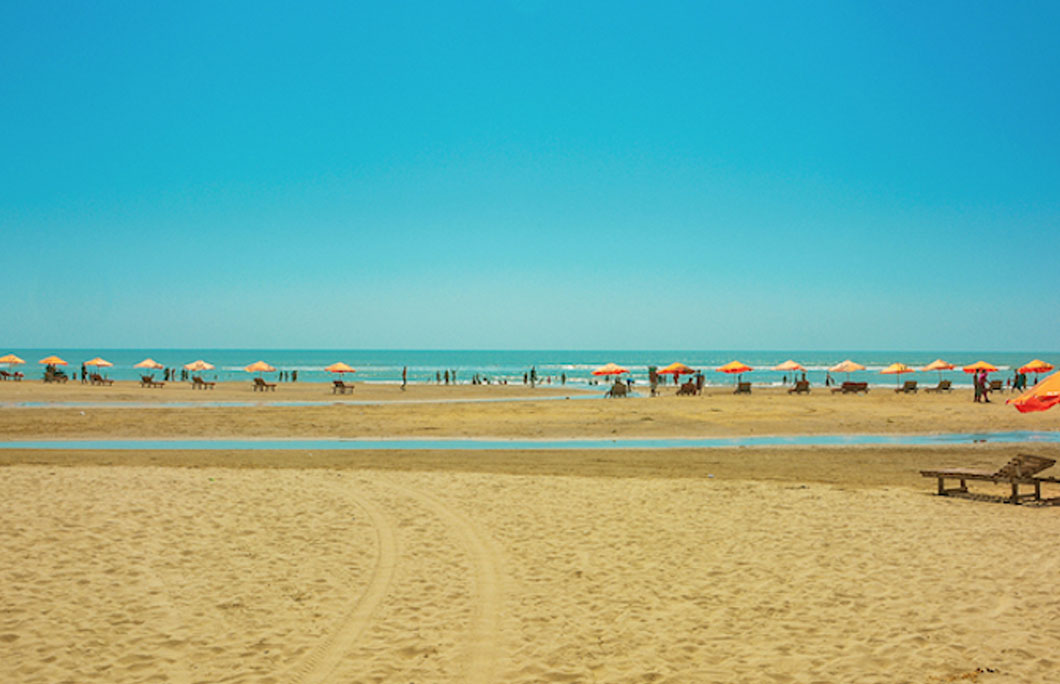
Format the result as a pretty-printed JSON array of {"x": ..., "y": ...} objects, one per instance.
[{"x": 384, "y": 366}]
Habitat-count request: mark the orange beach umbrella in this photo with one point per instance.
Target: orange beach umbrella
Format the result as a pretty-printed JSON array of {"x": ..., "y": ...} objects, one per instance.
[
  {"x": 340, "y": 367},
  {"x": 1040, "y": 397},
  {"x": 734, "y": 368},
  {"x": 676, "y": 368},
  {"x": 11, "y": 360},
  {"x": 1036, "y": 366},
  {"x": 789, "y": 365},
  {"x": 847, "y": 367},
  {"x": 980, "y": 365},
  {"x": 149, "y": 363},
  {"x": 610, "y": 369},
  {"x": 99, "y": 363},
  {"x": 939, "y": 365},
  {"x": 199, "y": 365},
  {"x": 259, "y": 367},
  {"x": 896, "y": 369},
  {"x": 52, "y": 361}
]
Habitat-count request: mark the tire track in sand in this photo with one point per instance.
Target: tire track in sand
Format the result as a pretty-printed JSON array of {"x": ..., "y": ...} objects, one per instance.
[
  {"x": 317, "y": 667},
  {"x": 485, "y": 616}
]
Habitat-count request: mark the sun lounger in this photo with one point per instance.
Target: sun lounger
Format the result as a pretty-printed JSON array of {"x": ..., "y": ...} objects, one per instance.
[
  {"x": 619, "y": 389},
  {"x": 1021, "y": 470},
  {"x": 943, "y": 386},
  {"x": 801, "y": 387},
  {"x": 852, "y": 388},
  {"x": 340, "y": 387},
  {"x": 199, "y": 383},
  {"x": 742, "y": 388},
  {"x": 4, "y": 375},
  {"x": 55, "y": 376},
  {"x": 687, "y": 389},
  {"x": 261, "y": 386},
  {"x": 996, "y": 385},
  {"x": 148, "y": 381},
  {"x": 909, "y": 386},
  {"x": 97, "y": 379}
]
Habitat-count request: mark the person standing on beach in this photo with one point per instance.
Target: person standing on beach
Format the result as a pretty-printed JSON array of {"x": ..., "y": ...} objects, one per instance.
[
  {"x": 985, "y": 383},
  {"x": 978, "y": 388},
  {"x": 404, "y": 377}
]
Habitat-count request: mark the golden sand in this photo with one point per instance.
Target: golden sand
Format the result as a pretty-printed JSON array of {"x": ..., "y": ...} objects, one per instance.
[{"x": 688, "y": 565}]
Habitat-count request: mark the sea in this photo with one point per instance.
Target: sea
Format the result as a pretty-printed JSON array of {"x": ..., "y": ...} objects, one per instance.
[{"x": 552, "y": 367}]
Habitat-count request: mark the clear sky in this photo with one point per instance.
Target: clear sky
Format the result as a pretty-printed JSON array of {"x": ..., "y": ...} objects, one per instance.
[{"x": 523, "y": 174}]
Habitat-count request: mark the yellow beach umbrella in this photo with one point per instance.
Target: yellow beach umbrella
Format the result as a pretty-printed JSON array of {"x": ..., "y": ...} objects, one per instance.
[
  {"x": 980, "y": 365},
  {"x": 610, "y": 369},
  {"x": 199, "y": 365},
  {"x": 11, "y": 360},
  {"x": 52, "y": 361},
  {"x": 259, "y": 367},
  {"x": 99, "y": 363},
  {"x": 340, "y": 367},
  {"x": 149, "y": 363},
  {"x": 897, "y": 369},
  {"x": 939, "y": 365},
  {"x": 736, "y": 368}
]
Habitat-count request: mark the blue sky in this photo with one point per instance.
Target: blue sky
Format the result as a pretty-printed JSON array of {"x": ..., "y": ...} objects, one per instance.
[{"x": 531, "y": 175}]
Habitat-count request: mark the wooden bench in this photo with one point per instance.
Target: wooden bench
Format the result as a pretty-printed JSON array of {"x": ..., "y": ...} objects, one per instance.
[
  {"x": 852, "y": 388},
  {"x": 261, "y": 386},
  {"x": 1020, "y": 470},
  {"x": 801, "y": 387}
]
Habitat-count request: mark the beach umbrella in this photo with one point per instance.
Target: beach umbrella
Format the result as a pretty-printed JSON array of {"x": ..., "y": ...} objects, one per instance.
[
  {"x": 980, "y": 365},
  {"x": 676, "y": 369},
  {"x": 736, "y": 368},
  {"x": 847, "y": 367},
  {"x": 1040, "y": 397},
  {"x": 1036, "y": 366},
  {"x": 939, "y": 365},
  {"x": 610, "y": 369},
  {"x": 896, "y": 369},
  {"x": 340, "y": 367},
  {"x": 149, "y": 363},
  {"x": 789, "y": 365},
  {"x": 52, "y": 361},
  {"x": 199, "y": 365},
  {"x": 259, "y": 367},
  {"x": 99, "y": 363},
  {"x": 11, "y": 360}
]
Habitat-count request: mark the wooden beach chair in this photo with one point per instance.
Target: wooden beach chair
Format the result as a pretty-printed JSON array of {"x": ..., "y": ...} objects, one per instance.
[
  {"x": 149, "y": 381},
  {"x": 687, "y": 389},
  {"x": 1021, "y": 470},
  {"x": 199, "y": 383},
  {"x": 261, "y": 386},
  {"x": 619, "y": 389},
  {"x": 4, "y": 375},
  {"x": 852, "y": 388},
  {"x": 742, "y": 388},
  {"x": 943, "y": 386},
  {"x": 996, "y": 385},
  {"x": 97, "y": 379},
  {"x": 801, "y": 387},
  {"x": 340, "y": 387},
  {"x": 909, "y": 386}
]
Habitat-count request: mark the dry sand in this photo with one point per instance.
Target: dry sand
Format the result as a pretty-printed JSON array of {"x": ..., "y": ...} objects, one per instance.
[{"x": 691, "y": 565}]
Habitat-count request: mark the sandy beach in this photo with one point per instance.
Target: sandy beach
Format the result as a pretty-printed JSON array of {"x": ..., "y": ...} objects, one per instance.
[{"x": 687, "y": 565}]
